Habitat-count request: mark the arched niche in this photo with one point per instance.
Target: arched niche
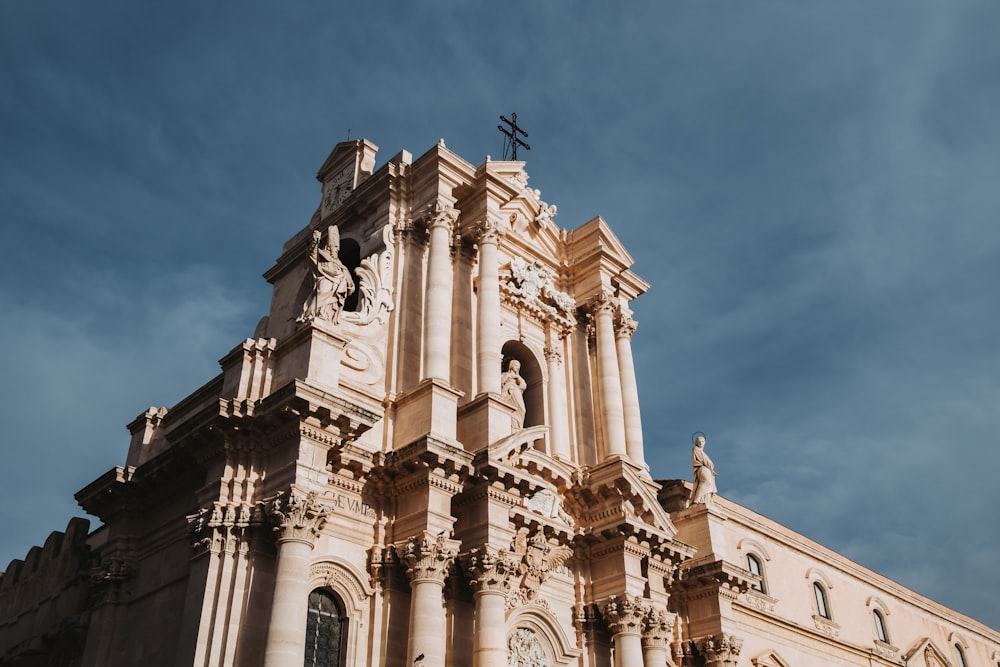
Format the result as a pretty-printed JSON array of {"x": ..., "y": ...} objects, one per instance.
[
  {"x": 531, "y": 371},
  {"x": 350, "y": 255},
  {"x": 543, "y": 624}
]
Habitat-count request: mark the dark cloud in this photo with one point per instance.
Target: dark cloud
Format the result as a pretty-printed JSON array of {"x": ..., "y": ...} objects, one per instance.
[{"x": 809, "y": 187}]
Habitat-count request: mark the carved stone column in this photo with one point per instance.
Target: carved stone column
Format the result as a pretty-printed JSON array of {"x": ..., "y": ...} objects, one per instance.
[
  {"x": 719, "y": 650},
  {"x": 656, "y": 638},
  {"x": 625, "y": 617},
  {"x": 297, "y": 521},
  {"x": 609, "y": 377},
  {"x": 488, "y": 343},
  {"x": 624, "y": 328},
  {"x": 490, "y": 574},
  {"x": 558, "y": 413},
  {"x": 437, "y": 303},
  {"x": 427, "y": 559}
]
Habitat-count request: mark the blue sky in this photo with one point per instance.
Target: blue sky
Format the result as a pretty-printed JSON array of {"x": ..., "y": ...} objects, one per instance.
[{"x": 810, "y": 187}]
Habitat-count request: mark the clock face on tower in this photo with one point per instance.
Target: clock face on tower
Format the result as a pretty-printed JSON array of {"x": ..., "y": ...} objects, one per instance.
[{"x": 337, "y": 188}]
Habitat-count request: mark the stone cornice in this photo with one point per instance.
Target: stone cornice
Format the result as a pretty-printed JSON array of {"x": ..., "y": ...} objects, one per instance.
[{"x": 719, "y": 577}]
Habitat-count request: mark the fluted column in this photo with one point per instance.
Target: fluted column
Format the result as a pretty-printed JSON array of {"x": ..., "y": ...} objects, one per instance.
[
  {"x": 558, "y": 412},
  {"x": 437, "y": 303},
  {"x": 490, "y": 575},
  {"x": 427, "y": 559},
  {"x": 624, "y": 328},
  {"x": 297, "y": 521},
  {"x": 488, "y": 342},
  {"x": 656, "y": 637},
  {"x": 609, "y": 377},
  {"x": 624, "y": 616}
]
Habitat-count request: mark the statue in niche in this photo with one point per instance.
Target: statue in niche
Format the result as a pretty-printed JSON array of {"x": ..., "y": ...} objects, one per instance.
[
  {"x": 332, "y": 282},
  {"x": 704, "y": 474},
  {"x": 512, "y": 387}
]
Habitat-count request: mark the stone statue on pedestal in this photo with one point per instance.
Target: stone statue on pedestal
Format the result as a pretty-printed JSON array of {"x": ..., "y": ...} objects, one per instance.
[
  {"x": 332, "y": 282},
  {"x": 704, "y": 474}
]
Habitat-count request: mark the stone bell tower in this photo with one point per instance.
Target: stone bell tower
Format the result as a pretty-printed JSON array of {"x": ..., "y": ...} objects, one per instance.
[{"x": 430, "y": 452}]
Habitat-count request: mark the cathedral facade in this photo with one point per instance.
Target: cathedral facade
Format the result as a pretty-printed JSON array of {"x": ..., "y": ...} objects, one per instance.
[{"x": 430, "y": 454}]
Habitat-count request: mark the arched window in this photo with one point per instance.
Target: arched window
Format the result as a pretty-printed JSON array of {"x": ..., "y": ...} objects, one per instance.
[
  {"x": 754, "y": 565},
  {"x": 822, "y": 607},
  {"x": 961, "y": 655},
  {"x": 880, "y": 632},
  {"x": 326, "y": 630}
]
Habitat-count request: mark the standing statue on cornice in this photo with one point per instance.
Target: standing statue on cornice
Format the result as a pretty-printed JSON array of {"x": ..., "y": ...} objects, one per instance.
[
  {"x": 704, "y": 474},
  {"x": 332, "y": 282},
  {"x": 512, "y": 387}
]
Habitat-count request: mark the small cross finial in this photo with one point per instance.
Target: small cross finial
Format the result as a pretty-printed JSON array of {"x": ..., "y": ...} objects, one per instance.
[{"x": 511, "y": 140}]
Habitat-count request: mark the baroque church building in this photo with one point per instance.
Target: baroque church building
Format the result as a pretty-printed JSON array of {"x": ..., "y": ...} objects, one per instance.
[{"x": 430, "y": 454}]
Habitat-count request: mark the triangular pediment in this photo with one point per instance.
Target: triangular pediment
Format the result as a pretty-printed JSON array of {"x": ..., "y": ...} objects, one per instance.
[
  {"x": 595, "y": 238},
  {"x": 769, "y": 658},
  {"x": 925, "y": 653}
]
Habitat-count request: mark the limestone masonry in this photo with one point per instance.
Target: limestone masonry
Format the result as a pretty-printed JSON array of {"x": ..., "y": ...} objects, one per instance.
[{"x": 430, "y": 453}]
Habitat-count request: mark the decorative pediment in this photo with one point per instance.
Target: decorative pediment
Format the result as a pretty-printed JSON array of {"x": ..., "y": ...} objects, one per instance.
[
  {"x": 620, "y": 483},
  {"x": 925, "y": 654},
  {"x": 769, "y": 658}
]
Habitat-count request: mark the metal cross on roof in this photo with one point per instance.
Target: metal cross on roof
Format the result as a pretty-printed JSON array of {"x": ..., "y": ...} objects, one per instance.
[{"x": 511, "y": 140}]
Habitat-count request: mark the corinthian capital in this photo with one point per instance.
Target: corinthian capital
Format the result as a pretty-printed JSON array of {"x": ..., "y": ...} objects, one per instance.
[
  {"x": 296, "y": 517},
  {"x": 427, "y": 556},
  {"x": 602, "y": 303},
  {"x": 657, "y": 627},
  {"x": 488, "y": 231},
  {"x": 625, "y": 326},
  {"x": 440, "y": 214},
  {"x": 625, "y": 614},
  {"x": 720, "y": 650},
  {"x": 490, "y": 570}
]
